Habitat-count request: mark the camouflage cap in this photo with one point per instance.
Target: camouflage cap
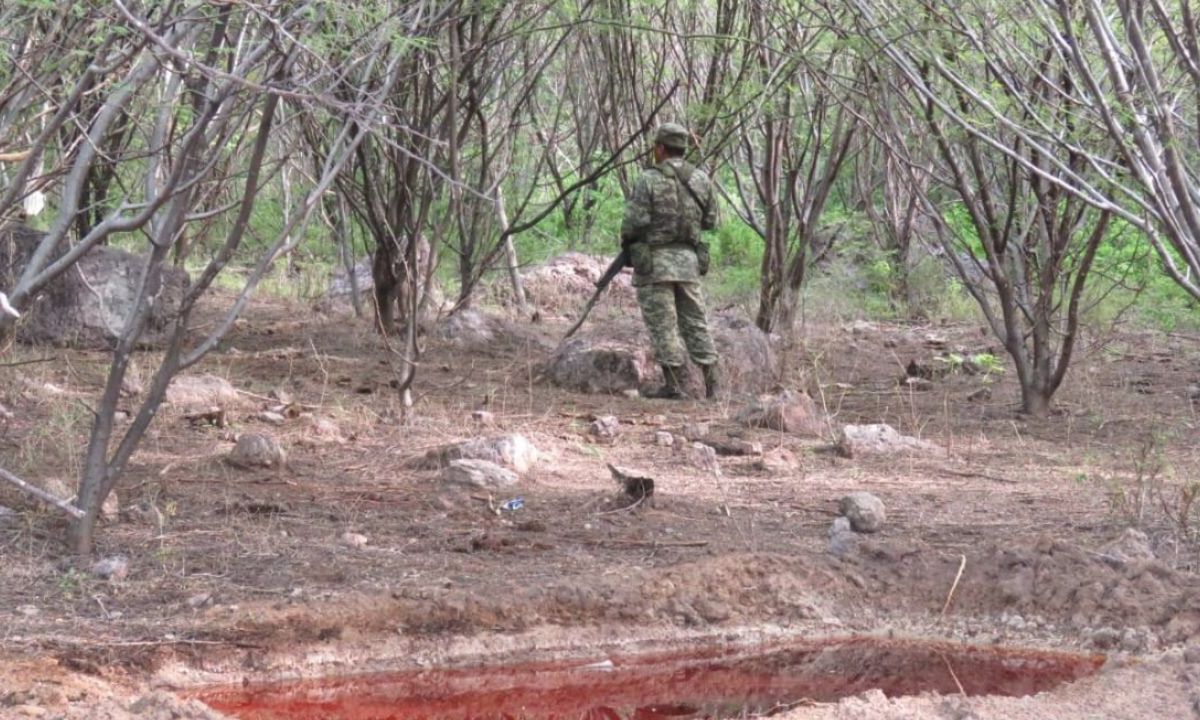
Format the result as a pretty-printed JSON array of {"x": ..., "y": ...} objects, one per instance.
[{"x": 671, "y": 135}]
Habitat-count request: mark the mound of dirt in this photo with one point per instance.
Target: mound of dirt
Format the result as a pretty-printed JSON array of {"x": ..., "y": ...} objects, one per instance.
[{"x": 565, "y": 282}]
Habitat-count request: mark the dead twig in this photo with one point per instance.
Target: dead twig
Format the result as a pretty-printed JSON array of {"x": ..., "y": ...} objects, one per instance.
[
  {"x": 624, "y": 508},
  {"x": 265, "y": 398},
  {"x": 975, "y": 474},
  {"x": 42, "y": 495},
  {"x": 953, "y": 676},
  {"x": 654, "y": 543},
  {"x": 949, "y": 597},
  {"x": 35, "y": 361}
]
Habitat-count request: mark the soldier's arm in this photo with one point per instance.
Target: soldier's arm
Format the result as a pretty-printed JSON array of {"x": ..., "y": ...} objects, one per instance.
[{"x": 637, "y": 212}]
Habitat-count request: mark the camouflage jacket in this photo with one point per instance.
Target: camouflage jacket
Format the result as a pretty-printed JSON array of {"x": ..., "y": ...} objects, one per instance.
[{"x": 663, "y": 222}]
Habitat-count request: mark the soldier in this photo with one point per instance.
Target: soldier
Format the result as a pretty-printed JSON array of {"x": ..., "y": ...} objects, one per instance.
[{"x": 671, "y": 203}]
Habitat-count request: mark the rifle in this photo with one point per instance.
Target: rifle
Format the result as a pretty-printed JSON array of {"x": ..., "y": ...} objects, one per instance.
[{"x": 619, "y": 263}]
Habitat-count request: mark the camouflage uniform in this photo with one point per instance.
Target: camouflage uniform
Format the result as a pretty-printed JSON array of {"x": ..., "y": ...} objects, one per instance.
[{"x": 661, "y": 228}]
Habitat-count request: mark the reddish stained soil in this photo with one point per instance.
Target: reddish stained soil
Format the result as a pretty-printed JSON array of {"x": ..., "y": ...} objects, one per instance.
[{"x": 697, "y": 685}]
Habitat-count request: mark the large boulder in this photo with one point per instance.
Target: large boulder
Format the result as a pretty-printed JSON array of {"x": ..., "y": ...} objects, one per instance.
[
  {"x": 610, "y": 358},
  {"x": 598, "y": 365},
  {"x": 87, "y": 306}
]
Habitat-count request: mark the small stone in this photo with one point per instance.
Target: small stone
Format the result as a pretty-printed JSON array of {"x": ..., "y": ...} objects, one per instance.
[
  {"x": 631, "y": 393},
  {"x": 704, "y": 457},
  {"x": 864, "y": 511},
  {"x": 980, "y": 395},
  {"x": 777, "y": 460},
  {"x": 877, "y": 439},
  {"x": 257, "y": 450},
  {"x": 111, "y": 509},
  {"x": 1137, "y": 640},
  {"x": 663, "y": 438},
  {"x": 200, "y": 600},
  {"x": 1104, "y": 638},
  {"x": 511, "y": 451},
  {"x": 28, "y": 610},
  {"x": 917, "y": 384},
  {"x": 484, "y": 417},
  {"x": 113, "y": 568},
  {"x": 1194, "y": 392},
  {"x": 1191, "y": 654},
  {"x": 480, "y": 474},
  {"x": 842, "y": 539},
  {"x": 326, "y": 430},
  {"x": 271, "y": 418},
  {"x": 353, "y": 539},
  {"x": 605, "y": 428},
  {"x": 5, "y": 413},
  {"x": 862, "y": 328},
  {"x": 786, "y": 412},
  {"x": 696, "y": 431}
]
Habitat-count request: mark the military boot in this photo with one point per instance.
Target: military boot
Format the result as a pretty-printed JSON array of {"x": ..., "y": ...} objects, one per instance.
[
  {"x": 712, "y": 381},
  {"x": 672, "y": 387}
]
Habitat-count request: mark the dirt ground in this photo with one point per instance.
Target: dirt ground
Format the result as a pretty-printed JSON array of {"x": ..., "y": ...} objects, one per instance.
[{"x": 346, "y": 559}]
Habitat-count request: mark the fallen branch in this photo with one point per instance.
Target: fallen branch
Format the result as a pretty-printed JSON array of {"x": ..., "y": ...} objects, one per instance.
[
  {"x": 961, "y": 566},
  {"x": 42, "y": 495},
  {"x": 8, "y": 309},
  {"x": 35, "y": 361},
  {"x": 654, "y": 543}
]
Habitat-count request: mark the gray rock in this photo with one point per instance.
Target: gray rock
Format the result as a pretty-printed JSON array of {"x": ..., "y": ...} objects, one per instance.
[
  {"x": 202, "y": 391},
  {"x": 353, "y": 539},
  {"x": 788, "y": 411},
  {"x": 663, "y": 438},
  {"x": 480, "y": 474},
  {"x": 1133, "y": 544},
  {"x": 1191, "y": 654},
  {"x": 842, "y": 539},
  {"x": 777, "y": 460},
  {"x": 600, "y": 366},
  {"x": 511, "y": 451},
  {"x": 864, "y": 511},
  {"x": 88, "y": 307},
  {"x": 880, "y": 439},
  {"x": 605, "y": 428},
  {"x": 114, "y": 568},
  {"x": 257, "y": 450},
  {"x": 271, "y": 417},
  {"x": 704, "y": 457},
  {"x": 1105, "y": 638}
]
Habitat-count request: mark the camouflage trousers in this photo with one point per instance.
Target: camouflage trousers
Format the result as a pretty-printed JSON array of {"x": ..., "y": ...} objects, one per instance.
[{"x": 673, "y": 310}]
